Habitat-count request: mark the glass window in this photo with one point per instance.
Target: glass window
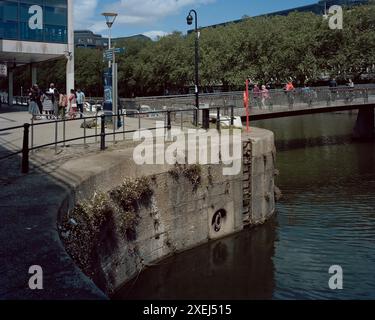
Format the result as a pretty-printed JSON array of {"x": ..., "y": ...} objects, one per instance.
[
  {"x": 30, "y": 35},
  {"x": 9, "y": 30},
  {"x": 57, "y": 16},
  {"x": 58, "y": 34},
  {"x": 9, "y": 11}
]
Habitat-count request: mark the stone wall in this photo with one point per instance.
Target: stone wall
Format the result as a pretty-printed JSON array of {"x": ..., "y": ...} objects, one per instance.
[{"x": 180, "y": 214}]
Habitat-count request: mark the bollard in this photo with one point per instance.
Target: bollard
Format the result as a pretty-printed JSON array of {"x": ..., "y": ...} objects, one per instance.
[
  {"x": 25, "y": 149},
  {"x": 169, "y": 126},
  {"x": 231, "y": 115},
  {"x": 102, "y": 133}
]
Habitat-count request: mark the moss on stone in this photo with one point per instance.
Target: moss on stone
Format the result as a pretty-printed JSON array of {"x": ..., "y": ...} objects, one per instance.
[{"x": 82, "y": 228}]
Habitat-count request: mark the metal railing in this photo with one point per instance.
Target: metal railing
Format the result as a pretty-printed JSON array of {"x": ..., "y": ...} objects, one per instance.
[{"x": 28, "y": 139}]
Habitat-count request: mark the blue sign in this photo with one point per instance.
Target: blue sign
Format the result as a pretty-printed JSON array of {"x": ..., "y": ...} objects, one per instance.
[
  {"x": 108, "y": 90},
  {"x": 119, "y": 50}
]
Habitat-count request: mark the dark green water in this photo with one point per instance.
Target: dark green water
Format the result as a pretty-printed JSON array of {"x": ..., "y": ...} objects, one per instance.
[{"x": 327, "y": 217}]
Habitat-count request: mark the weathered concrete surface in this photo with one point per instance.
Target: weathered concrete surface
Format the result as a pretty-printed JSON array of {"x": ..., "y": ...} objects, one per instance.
[
  {"x": 263, "y": 173},
  {"x": 32, "y": 205}
]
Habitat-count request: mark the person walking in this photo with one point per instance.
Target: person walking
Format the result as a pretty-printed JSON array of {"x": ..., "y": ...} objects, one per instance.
[
  {"x": 80, "y": 101},
  {"x": 332, "y": 90},
  {"x": 351, "y": 93},
  {"x": 33, "y": 106},
  {"x": 72, "y": 104},
  {"x": 257, "y": 95},
  {"x": 38, "y": 97},
  {"x": 265, "y": 95},
  {"x": 53, "y": 94},
  {"x": 63, "y": 104},
  {"x": 289, "y": 90}
]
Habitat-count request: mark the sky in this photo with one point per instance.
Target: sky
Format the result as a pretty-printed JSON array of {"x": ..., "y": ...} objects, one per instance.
[{"x": 160, "y": 17}]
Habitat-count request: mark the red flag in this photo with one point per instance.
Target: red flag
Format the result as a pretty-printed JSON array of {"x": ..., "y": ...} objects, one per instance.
[{"x": 246, "y": 99}]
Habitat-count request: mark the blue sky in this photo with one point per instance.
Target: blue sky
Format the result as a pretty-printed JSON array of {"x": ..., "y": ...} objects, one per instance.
[{"x": 159, "y": 17}]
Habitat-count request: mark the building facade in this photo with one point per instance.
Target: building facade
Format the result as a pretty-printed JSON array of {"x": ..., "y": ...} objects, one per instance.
[
  {"x": 32, "y": 31},
  {"x": 88, "y": 39}
]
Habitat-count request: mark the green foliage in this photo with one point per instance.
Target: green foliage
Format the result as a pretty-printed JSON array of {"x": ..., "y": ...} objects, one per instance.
[
  {"x": 300, "y": 45},
  {"x": 83, "y": 230}
]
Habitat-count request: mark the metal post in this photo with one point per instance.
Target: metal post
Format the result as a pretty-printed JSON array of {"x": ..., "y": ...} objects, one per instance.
[
  {"x": 123, "y": 126},
  {"x": 56, "y": 136},
  {"x": 169, "y": 126},
  {"x": 96, "y": 128},
  {"x": 84, "y": 131},
  {"x": 231, "y": 115},
  {"x": 32, "y": 132},
  {"x": 218, "y": 124},
  {"x": 114, "y": 123},
  {"x": 64, "y": 130},
  {"x": 25, "y": 148},
  {"x": 102, "y": 134}
]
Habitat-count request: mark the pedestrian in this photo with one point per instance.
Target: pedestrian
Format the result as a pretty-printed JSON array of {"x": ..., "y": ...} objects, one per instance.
[
  {"x": 350, "y": 94},
  {"x": 80, "y": 101},
  {"x": 72, "y": 104},
  {"x": 63, "y": 104},
  {"x": 289, "y": 90},
  {"x": 257, "y": 96},
  {"x": 265, "y": 95},
  {"x": 47, "y": 105},
  {"x": 53, "y": 94},
  {"x": 308, "y": 95},
  {"x": 33, "y": 106},
  {"x": 332, "y": 90},
  {"x": 38, "y": 97}
]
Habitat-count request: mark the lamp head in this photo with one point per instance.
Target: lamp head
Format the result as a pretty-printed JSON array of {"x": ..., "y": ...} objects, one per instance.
[
  {"x": 110, "y": 18},
  {"x": 189, "y": 19}
]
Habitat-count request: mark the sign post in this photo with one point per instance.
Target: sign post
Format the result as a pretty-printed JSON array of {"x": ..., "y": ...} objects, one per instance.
[{"x": 111, "y": 85}]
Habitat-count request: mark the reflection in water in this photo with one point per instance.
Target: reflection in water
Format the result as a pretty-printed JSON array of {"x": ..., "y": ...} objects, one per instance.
[
  {"x": 230, "y": 268},
  {"x": 327, "y": 217}
]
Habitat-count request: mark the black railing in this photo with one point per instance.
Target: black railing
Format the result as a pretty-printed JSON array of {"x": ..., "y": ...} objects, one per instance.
[{"x": 28, "y": 130}]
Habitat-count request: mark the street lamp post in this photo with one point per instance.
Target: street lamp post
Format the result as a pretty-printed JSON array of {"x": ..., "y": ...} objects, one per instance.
[
  {"x": 110, "y": 18},
  {"x": 189, "y": 20}
]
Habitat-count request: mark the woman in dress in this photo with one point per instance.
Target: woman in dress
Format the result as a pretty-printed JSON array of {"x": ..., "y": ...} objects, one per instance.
[
  {"x": 33, "y": 106},
  {"x": 72, "y": 102}
]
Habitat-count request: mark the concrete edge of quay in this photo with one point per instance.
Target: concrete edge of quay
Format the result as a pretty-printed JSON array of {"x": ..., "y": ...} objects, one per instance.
[{"x": 33, "y": 205}]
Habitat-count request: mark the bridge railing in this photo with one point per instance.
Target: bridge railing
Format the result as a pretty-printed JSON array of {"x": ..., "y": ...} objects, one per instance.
[{"x": 300, "y": 97}]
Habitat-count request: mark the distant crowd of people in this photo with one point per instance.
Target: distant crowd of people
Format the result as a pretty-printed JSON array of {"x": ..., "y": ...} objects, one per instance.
[
  {"x": 263, "y": 98},
  {"x": 55, "y": 104}
]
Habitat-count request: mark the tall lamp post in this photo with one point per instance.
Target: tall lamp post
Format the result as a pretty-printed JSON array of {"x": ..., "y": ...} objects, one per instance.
[
  {"x": 110, "y": 18},
  {"x": 189, "y": 20}
]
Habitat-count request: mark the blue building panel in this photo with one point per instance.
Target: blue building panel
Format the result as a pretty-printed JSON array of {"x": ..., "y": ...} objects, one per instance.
[{"x": 34, "y": 20}]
